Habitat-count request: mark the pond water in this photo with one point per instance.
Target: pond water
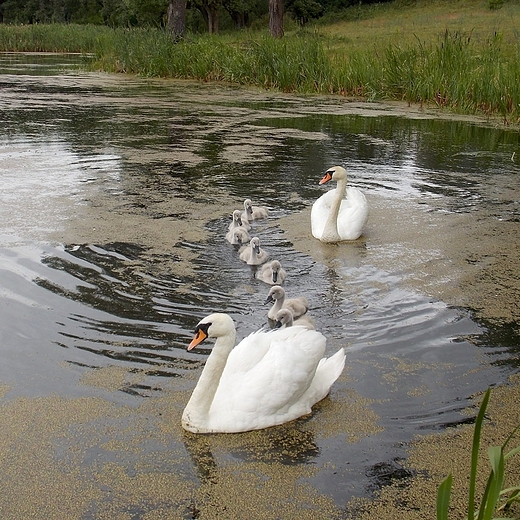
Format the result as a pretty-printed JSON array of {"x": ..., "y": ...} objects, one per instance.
[{"x": 116, "y": 195}]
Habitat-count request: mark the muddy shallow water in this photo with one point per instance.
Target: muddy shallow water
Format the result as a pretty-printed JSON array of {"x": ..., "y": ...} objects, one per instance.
[{"x": 116, "y": 195}]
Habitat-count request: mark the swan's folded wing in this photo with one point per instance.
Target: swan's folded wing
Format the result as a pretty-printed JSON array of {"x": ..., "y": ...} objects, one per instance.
[
  {"x": 320, "y": 212},
  {"x": 329, "y": 369},
  {"x": 245, "y": 356},
  {"x": 353, "y": 214},
  {"x": 264, "y": 394}
]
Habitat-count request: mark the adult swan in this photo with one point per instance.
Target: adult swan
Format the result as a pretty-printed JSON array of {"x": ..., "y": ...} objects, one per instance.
[
  {"x": 336, "y": 217},
  {"x": 271, "y": 377}
]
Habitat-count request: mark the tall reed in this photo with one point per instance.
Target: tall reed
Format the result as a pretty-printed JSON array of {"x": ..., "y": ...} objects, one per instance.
[
  {"x": 454, "y": 72},
  {"x": 495, "y": 497},
  {"x": 291, "y": 65},
  {"x": 50, "y": 38}
]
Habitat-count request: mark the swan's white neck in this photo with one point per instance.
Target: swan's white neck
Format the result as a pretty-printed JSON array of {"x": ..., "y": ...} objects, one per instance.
[
  {"x": 196, "y": 413},
  {"x": 330, "y": 231}
]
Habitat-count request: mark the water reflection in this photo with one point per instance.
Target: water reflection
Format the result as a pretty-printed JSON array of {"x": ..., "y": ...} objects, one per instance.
[
  {"x": 140, "y": 179},
  {"x": 42, "y": 178},
  {"x": 198, "y": 448},
  {"x": 280, "y": 444},
  {"x": 461, "y": 163},
  {"x": 48, "y": 64},
  {"x": 506, "y": 347}
]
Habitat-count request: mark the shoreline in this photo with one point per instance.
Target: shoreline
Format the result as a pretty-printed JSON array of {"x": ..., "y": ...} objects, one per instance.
[{"x": 431, "y": 458}]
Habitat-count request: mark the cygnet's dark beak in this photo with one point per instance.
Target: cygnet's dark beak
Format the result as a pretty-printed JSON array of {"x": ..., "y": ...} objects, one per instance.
[
  {"x": 257, "y": 249},
  {"x": 275, "y": 276},
  {"x": 278, "y": 324},
  {"x": 269, "y": 299}
]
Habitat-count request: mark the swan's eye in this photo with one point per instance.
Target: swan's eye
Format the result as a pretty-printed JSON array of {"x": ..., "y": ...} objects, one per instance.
[
  {"x": 201, "y": 333},
  {"x": 327, "y": 177},
  {"x": 203, "y": 327}
]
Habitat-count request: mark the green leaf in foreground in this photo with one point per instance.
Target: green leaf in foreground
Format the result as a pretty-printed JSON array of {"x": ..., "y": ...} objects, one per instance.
[
  {"x": 443, "y": 498},
  {"x": 474, "y": 454}
]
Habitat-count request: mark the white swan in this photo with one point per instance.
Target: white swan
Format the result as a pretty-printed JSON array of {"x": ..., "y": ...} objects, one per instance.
[
  {"x": 253, "y": 212},
  {"x": 269, "y": 378},
  {"x": 253, "y": 254},
  {"x": 298, "y": 306},
  {"x": 284, "y": 318},
  {"x": 272, "y": 273},
  {"x": 335, "y": 217}
]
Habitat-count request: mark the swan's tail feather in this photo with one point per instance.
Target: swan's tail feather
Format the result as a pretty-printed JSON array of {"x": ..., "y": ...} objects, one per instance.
[
  {"x": 328, "y": 370},
  {"x": 332, "y": 367}
]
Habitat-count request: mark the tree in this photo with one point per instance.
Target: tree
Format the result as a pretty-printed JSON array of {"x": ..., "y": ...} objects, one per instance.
[
  {"x": 210, "y": 10},
  {"x": 238, "y": 11},
  {"x": 303, "y": 10},
  {"x": 177, "y": 18},
  {"x": 276, "y": 18}
]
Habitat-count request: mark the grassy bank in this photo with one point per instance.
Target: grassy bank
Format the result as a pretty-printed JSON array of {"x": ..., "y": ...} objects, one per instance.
[{"x": 459, "y": 55}]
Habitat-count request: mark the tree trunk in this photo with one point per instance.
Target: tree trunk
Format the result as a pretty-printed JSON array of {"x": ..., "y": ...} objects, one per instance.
[
  {"x": 212, "y": 16},
  {"x": 177, "y": 18},
  {"x": 239, "y": 18},
  {"x": 276, "y": 18}
]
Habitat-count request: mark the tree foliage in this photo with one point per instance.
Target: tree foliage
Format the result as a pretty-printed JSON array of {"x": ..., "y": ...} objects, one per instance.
[
  {"x": 304, "y": 10},
  {"x": 210, "y": 14},
  {"x": 210, "y": 11}
]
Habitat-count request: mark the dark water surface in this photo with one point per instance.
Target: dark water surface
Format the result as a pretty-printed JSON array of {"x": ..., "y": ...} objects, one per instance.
[{"x": 116, "y": 196}]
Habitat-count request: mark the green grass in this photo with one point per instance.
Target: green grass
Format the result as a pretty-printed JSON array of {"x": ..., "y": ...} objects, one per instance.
[
  {"x": 291, "y": 64},
  {"x": 50, "y": 38},
  {"x": 495, "y": 498},
  {"x": 458, "y": 55}
]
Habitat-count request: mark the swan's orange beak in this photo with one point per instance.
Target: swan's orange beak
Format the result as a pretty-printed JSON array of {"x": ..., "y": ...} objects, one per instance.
[
  {"x": 199, "y": 337},
  {"x": 326, "y": 178}
]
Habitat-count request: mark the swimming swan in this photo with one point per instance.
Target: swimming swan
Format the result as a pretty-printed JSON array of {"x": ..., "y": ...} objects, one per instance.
[
  {"x": 253, "y": 254},
  {"x": 284, "y": 317},
  {"x": 253, "y": 212},
  {"x": 272, "y": 273},
  {"x": 269, "y": 378},
  {"x": 237, "y": 221},
  {"x": 298, "y": 306},
  {"x": 238, "y": 236},
  {"x": 336, "y": 217}
]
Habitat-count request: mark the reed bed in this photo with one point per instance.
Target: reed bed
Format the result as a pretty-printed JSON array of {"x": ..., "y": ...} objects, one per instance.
[
  {"x": 454, "y": 71},
  {"x": 50, "y": 38},
  {"x": 496, "y": 498},
  {"x": 290, "y": 64}
]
